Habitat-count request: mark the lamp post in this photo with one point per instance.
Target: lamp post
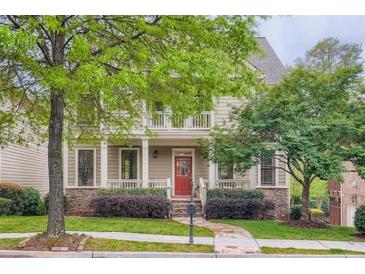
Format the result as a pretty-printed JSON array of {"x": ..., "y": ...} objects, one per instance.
[{"x": 191, "y": 211}]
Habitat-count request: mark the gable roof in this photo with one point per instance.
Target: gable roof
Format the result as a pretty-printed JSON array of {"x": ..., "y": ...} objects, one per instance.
[{"x": 269, "y": 64}]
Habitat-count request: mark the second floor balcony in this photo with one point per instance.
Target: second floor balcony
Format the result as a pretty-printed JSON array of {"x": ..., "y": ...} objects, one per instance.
[{"x": 166, "y": 120}]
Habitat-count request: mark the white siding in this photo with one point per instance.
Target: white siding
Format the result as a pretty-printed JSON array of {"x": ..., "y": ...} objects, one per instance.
[
  {"x": 223, "y": 106},
  {"x": 27, "y": 166}
]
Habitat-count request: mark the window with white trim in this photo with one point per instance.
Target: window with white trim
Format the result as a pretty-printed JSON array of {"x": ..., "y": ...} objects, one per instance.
[
  {"x": 129, "y": 164},
  {"x": 86, "y": 167},
  {"x": 225, "y": 172},
  {"x": 267, "y": 170}
]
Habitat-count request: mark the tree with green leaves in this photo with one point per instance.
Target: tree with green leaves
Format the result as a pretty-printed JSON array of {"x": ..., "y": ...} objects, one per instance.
[
  {"x": 312, "y": 121},
  {"x": 56, "y": 67}
]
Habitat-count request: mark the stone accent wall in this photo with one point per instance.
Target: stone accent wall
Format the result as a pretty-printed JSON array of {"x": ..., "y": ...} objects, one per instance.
[
  {"x": 280, "y": 198},
  {"x": 79, "y": 201}
]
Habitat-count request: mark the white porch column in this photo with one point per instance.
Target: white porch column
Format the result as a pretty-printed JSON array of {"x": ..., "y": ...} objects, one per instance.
[
  {"x": 145, "y": 164},
  {"x": 212, "y": 176},
  {"x": 65, "y": 163},
  {"x": 104, "y": 163}
]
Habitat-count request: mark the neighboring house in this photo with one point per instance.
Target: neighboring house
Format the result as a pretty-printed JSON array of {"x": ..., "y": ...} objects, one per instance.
[
  {"x": 173, "y": 159},
  {"x": 25, "y": 165},
  {"x": 345, "y": 197}
]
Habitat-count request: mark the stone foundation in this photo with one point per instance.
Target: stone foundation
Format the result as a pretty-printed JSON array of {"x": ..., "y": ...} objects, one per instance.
[
  {"x": 279, "y": 196},
  {"x": 80, "y": 201}
]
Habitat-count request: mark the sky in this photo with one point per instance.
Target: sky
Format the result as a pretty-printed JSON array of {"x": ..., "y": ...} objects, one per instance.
[{"x": 292, "y": 36}]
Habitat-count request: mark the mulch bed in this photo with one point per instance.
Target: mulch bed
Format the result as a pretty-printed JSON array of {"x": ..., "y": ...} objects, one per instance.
[
  {"x": 304, "y": 224},
  {"x": 68, "y": 242}
]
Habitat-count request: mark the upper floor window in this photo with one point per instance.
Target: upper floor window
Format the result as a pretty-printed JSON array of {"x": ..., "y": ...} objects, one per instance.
[
  {"x": 267, "y": 170},
  {"x": 85, "y": 167},
  {"x": 225, "y": 172}
]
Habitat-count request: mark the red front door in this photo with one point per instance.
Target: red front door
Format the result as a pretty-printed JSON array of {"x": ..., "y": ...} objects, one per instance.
[{"x": 183, "y": 175}]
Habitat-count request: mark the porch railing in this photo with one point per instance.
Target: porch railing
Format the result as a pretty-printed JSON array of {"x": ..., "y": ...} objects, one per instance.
[
  {"x": 232, "y": 183},
  {"x": 123, "y": 183},
  {"x": 136, "y": 183},
  {"x": 165, "y": 120},
  {"x": 157, "y": 183}
]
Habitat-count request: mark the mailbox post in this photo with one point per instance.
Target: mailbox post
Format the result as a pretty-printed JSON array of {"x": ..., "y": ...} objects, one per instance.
[{"x": 191, "y": 211}]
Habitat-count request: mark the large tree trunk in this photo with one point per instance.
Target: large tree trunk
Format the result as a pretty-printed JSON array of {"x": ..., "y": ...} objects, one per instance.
[
  {"x": 56, "y": 224},
  {"x": 306, "y": 212}
]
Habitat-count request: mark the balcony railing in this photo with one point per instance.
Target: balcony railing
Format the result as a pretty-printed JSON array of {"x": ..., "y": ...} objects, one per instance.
[{"x": 165, "y": 120}]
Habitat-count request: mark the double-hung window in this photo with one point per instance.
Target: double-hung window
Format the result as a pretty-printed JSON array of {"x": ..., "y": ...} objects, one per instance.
[
  {"x": 86, "y": 167},
  {"x": 268, "y": 170},
  {"x": 129, "y": 164}
]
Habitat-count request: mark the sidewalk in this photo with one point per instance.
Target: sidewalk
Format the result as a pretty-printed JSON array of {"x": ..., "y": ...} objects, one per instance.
[{"x": 224, "y": 243}]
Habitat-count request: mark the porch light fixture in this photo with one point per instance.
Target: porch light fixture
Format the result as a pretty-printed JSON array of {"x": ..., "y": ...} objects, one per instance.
[{"x": 155, "y": 154}]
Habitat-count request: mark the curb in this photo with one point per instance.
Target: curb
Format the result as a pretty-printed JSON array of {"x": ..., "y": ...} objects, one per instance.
[{"x": 105, "y": 254}]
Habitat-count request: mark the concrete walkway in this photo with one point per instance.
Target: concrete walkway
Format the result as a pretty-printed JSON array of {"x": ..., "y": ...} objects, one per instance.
[{"x": 228, "y": 239}]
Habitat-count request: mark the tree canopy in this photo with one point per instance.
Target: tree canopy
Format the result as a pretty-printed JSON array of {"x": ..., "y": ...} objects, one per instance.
[
  {"x": 120, "y": 61},
  {"x": 314, "y": 116},
  {"x": 59, "y": 69}
]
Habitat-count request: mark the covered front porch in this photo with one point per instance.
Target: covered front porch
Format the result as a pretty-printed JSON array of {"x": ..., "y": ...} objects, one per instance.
[{"x": 169, "y": 163}]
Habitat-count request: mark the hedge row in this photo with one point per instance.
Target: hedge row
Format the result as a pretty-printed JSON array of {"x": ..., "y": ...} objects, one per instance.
[
  {"x": 234, "y": 193},
  {"x": 228, "y": 208},
  {"x": 133, "y": 206},
  {"x": 133, "y": 191},
  {"x": 23, "y": 200}
]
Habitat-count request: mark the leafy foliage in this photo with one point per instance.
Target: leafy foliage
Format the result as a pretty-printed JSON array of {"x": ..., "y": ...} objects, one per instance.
[
  {"x": 230, "y": 208},
  {"x": 295, "y": 212},
  {"x": 312, "y": 121},
  {"x": 359, "y": 221},
  {"x": 133, "y": 191},
  {"x": 132, "y": 206},
  {"x": 179, "y": 61},
  {"x": 234, "y": 193},
  {"x": 33, "y": 203},
  {"x": 5, "y": 206},
  {"x": 15, "y": 193}
]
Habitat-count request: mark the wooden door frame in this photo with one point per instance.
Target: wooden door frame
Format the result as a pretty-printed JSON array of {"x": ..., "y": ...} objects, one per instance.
[{"x": 174, "y": 154}]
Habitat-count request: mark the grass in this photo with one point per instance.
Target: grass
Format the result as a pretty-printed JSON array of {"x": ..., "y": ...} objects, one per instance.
[
  {"x": 271, "y": 229},
  {"x": 97, "y": 244},
  {"x": 10, "y": 243},
  {"x": 275, "y": 250},
  {"x": 149, "y": 226}
]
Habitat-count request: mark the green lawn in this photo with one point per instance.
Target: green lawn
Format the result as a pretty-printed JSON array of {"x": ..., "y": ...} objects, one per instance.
[
  {"x": 10, "y": 243},
  {"x": 274, "y": 250},
  {"x": 271, "y": 229},
  {"x": 118, "y": 245},
  {"x": 150, "y": 226}
]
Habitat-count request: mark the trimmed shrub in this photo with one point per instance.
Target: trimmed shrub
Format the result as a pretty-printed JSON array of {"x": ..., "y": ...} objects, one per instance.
[
  {"x": 232, "y": 208},
  {"x": 313, "y": 203},
  {"x": 5, "y": 205},
  {"x": 46, "y": 202},
  {"x": 296, "y": 212},
  {"x": 33, "y": 204},
  {"x": 132, "y": 206},
  {"x": 234, "y": 194},
  {"x": 133, "y": 191},
  {"x": 15, "y": 193},
  {"x": 359, "y": 221}
]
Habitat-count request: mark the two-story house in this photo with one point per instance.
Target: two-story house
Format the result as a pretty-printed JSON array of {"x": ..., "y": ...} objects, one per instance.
[{"x": 173, "y": 159}]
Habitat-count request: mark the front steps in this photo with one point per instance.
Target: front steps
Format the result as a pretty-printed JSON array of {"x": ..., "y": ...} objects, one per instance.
[{"x": 180, "y": 205}]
